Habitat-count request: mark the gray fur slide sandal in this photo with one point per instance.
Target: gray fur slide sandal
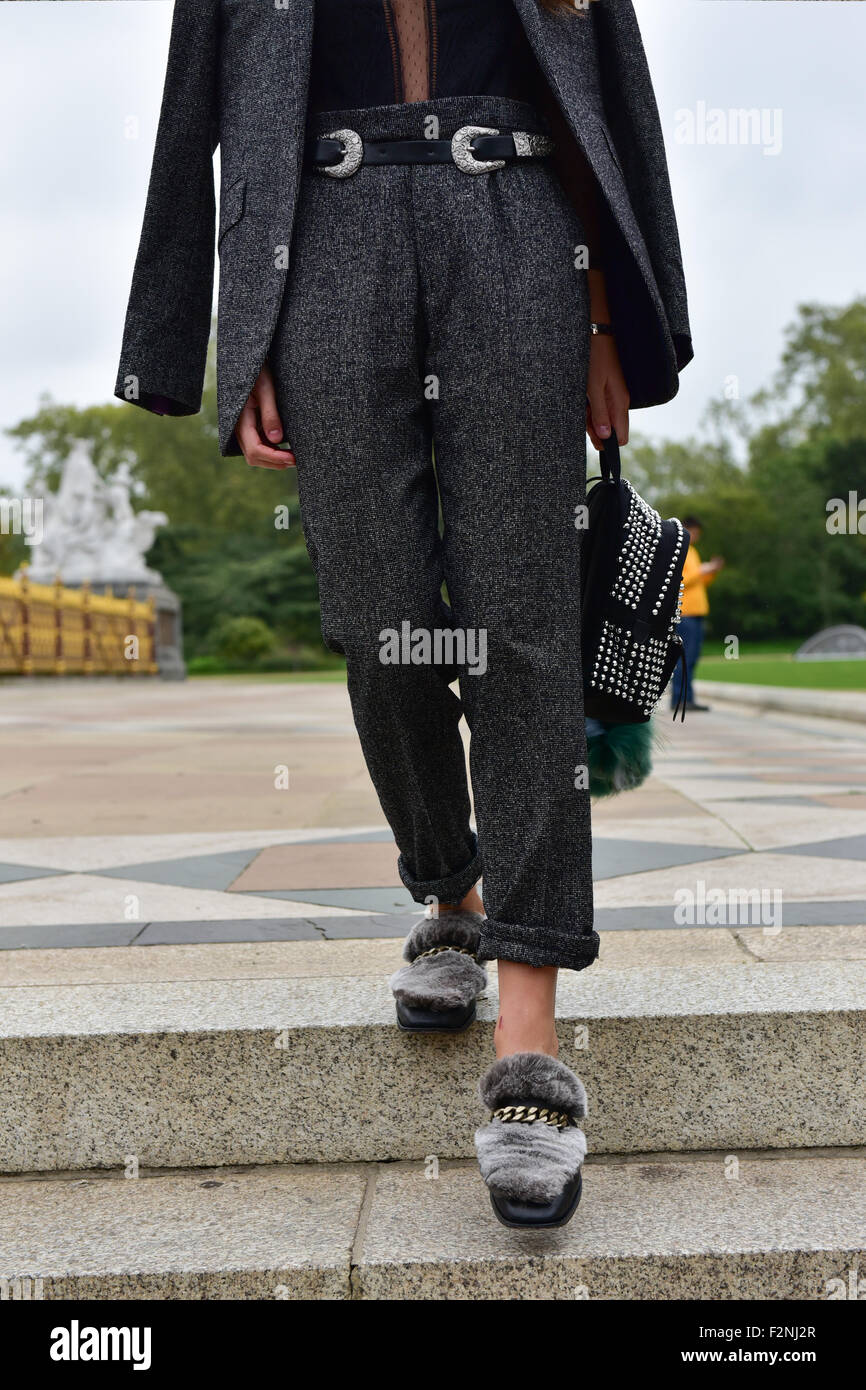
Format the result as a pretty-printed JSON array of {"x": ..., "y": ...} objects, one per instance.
[
  {"x": 531, "y": 1151},
  {"x": 437, "y": 990}
]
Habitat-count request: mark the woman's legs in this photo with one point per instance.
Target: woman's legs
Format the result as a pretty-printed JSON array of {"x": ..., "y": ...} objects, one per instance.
[
  {"x": 346, "y": 367},
  {"x": 424, "y": 296},
  {"x": 507, "y": 346}
]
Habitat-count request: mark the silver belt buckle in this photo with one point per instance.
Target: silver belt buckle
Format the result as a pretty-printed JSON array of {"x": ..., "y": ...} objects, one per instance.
[
  {"x": 462, "y": 155},
  {"x": 353, "y": 154},
  {"x": 526, "y": 146}
]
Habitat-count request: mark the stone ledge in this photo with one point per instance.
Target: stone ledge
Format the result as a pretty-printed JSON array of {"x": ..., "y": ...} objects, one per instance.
[
  {"x": 781, "y": 1229},
  {"x": 202, "y": 1073},
  {"x": 266, "y": 1233},
  {"x": 378, "y": 957},
  {"x": 350, "y": 1001},
  {"x": 649, "y": 1228},
  {"x": 824, "y": 704}
]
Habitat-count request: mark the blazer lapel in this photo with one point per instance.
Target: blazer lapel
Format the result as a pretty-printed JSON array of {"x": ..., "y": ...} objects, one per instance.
[
  {"x": 565, "y": 49},
  {"x": 301, "y": 15},
  {"x": 560, "y": 54},
  {"x": 530, "y": 19},
  {"x": 275, "y": 44}
]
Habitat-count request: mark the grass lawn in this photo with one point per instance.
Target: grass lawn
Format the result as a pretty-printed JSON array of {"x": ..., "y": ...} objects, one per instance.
[
  {"x": 779, "y": 646},
  {"x": 781, "y": 669},
  {"x": 330, "y": 674},
  {"x": 756, "y": 668},
  {"x": 760, "y": 663}
]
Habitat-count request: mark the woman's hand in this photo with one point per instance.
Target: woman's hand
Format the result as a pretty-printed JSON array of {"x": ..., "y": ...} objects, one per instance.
[
  {"x": 260, "y": 420},
  {"x": 606, "y": 393}
]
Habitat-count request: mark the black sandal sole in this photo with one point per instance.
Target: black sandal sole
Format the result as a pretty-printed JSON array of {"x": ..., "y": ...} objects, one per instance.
[
  {"x": 412, "y": 1020},
  {"x": 529, "y": 1216}
]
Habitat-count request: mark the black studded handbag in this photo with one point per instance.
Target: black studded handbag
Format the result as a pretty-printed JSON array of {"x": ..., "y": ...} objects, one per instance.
[{"x": 631, "y": 577}]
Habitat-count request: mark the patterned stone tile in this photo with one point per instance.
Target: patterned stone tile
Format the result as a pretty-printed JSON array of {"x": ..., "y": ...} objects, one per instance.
[
  {"x": 845, "y": 801},
  {"x": 340, "y": 864},
  {"x": 797, "y": 877},
  {"x": 335, "y": 836},
  {"x": 708, "y": 786},
  {"x": 851, "y": 847},
  {"x": 657, "y": 918},
  {"x": 776, "y": 827},
  {"x": 67, "y": 935},
  {"x": 184, "y": 933},
  {"x": 615, "y": 858},
  {"x": 17, "y": 873},
  {"x": 342, "y": 900},
  {"x": 343, "y": 928},
  {"x": 213, "y": 871},
  {"x": 658, "y": 802},
  {"x": 85, "y": 853},
  {"x": 800, "y": 939},
  {"x": 699, "y": 828},
  {"x": 86, "y": 898}
]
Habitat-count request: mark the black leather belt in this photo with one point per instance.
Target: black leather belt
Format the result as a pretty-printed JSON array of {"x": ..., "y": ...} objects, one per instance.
[{"x": 474, "y": 149}]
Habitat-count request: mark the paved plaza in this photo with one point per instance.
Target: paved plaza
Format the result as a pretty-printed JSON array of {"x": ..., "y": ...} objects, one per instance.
[
  {"x": 200, "y": 910},
  {"x": 241, "y": 811}
]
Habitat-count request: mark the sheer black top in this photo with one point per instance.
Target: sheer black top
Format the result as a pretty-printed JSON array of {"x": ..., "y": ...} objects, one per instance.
[{"x": 386, "y": 52}]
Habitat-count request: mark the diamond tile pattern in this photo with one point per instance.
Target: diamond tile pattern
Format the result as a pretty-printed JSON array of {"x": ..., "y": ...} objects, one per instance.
[{"x": 743, "y": 798}]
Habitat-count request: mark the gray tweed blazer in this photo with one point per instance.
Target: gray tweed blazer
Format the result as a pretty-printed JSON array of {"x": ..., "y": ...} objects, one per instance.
[{"x": 238, "y": 76}]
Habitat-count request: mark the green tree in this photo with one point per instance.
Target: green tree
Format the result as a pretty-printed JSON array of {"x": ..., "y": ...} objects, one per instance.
[
  {"x": 820, "y": 387},
  {"x": 760, "y": 475},
  {"x": 234, "y": 544}
]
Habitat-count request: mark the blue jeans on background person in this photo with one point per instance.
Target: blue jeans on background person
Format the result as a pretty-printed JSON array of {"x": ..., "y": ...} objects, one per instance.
[{"x": 691, "y": 630}]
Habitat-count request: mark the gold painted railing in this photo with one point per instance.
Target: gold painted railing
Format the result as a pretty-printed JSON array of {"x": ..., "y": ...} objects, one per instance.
[{"x": 45, "y": 628}]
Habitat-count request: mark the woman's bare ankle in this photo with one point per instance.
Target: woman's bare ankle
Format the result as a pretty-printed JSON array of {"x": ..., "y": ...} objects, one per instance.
[
  {"x": 525, "y": 1039},
  {"x": 470, "y": 903},
  {"x": 527, "y": 1009}
]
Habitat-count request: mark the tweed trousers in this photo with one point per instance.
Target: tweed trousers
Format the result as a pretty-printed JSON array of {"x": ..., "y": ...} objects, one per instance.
[{"x": 430, "y": 364}]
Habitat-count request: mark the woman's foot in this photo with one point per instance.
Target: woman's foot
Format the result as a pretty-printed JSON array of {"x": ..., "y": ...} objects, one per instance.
[
  {"x": 437, "y": 990},
  {"x": 531, "y": 1151}
]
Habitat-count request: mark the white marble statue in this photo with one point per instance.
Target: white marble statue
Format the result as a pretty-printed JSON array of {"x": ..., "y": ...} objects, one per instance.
[{"x": 90, "y": 531}]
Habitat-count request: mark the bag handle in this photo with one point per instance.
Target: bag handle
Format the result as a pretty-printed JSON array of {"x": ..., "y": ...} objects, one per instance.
[{"x": 609, "y": 459}]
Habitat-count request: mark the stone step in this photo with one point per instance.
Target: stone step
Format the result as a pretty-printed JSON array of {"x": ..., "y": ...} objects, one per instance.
[
  {"x": 201, "y": 1073},
  {"x": 776, "y": 1227}
]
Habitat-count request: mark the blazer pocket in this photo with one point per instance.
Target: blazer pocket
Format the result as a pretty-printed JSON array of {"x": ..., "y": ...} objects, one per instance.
[{"x": 232, "y": 207}]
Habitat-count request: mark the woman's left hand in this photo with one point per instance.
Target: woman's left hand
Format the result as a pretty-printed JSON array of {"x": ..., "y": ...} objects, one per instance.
[{"x": 606, "y": 393}]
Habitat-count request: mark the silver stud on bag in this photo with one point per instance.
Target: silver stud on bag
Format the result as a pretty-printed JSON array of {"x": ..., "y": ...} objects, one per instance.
[{"x": 629, "y": 667}]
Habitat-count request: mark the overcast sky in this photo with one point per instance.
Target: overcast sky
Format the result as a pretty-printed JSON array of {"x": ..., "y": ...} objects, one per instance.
[{"x": 761, "y": 232}]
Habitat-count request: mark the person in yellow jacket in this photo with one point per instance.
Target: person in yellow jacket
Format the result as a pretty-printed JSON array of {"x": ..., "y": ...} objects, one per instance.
[{"x": 697, "y": 575}]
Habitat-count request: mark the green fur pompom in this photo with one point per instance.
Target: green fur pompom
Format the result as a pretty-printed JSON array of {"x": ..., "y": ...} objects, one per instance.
[{"x": 620, "y": 756}]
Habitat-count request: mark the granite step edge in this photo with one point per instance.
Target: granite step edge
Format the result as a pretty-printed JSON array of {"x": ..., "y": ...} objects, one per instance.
[
  {"x": 649, "y": 1227},
  {"x": 356, "y": 1001}
]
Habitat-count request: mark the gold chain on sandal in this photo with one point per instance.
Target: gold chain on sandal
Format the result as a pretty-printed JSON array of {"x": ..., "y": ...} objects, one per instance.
[
  {"x": 437, "y": 950},
  {"x": 528, "y": 1114}
]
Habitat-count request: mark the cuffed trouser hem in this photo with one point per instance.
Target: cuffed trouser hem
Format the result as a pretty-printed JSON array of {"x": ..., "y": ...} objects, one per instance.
[
  {"x": 569, "y": 950},
  {"x": 447, "y": 890}
]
